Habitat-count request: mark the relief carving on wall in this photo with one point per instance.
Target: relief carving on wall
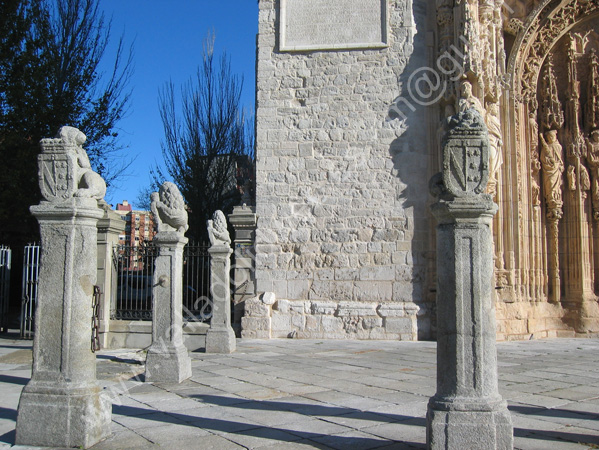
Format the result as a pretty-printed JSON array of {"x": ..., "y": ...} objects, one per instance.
[{"x": 561, "y": 151}]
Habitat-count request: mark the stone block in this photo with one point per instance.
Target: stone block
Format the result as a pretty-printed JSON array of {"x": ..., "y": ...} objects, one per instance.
[
  {"x": 356, "y": 309},
  {"x": 168, "y": 364},
  {"x": 255, "y": 308},
  {"x": 403, "y": 291},
  {"x": 313, "y": 323},
  {"x": 392, "y": 310},
  {"x": 331, "y": 324},
  {"x": 400, "y": 325},
  {"x": 263, "y": 285},
  {"x": 469, "y": 430},
  {"x": 342, "y": 290},
  {"x": 69, "y": 418},
  {"x": 320, "y": 307},
  {"x": 319, "y": 290},
  {"x": 369, "y": 323},
  {"x": 378, "y": 333},
  {"x": 377, "y": 273},
  {"x": 299, "y": 307},
  {"x": 298, "y": 321},
  {"x": 298, "y": 289},
  {"x": 256, "y": 323},
  {"x": 280, "y": 322},
  {"x": 373, "y": 291},
  {"x": 282, "y": 306}
]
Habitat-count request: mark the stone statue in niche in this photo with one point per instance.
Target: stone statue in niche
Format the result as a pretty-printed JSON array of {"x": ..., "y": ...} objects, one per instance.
[
  {"x": 495, "y": 145},
  {"x": 571, "y": 177},
  {"x": 65, "y": 170},
  {"x": 168, "y": 208},
  {"x": 217, "y": 230},
  {"x": 553, "y": 168},
  {"x": 593, "y": 160},
  {"x": 468, "y": 99}
]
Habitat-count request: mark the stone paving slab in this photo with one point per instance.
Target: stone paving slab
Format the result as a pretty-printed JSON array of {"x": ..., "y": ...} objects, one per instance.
[{"x": 295, "y": 394}]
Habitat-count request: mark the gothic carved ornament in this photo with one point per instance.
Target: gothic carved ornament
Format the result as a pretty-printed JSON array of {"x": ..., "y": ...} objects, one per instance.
[{"x": 544, "y": 26}]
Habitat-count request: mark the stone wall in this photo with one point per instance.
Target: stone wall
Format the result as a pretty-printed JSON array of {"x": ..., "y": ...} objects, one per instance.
[{"x": 341, "y": 185}]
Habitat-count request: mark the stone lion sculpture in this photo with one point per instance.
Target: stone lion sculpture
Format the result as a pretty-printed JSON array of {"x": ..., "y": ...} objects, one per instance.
[
  {"x": 169, "y": 209},
  {"x": 217, "y": 230},
  {"x": 89, "y": 184}
]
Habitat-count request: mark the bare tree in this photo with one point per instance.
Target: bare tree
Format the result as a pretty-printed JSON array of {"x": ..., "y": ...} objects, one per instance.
[
  {"x": 208, "y": 142},
  {"x": 50, "y": 75}
]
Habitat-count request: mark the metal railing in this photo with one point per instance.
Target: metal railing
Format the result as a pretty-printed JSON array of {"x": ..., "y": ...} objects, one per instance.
[
  {"x": 31, "y": 267},
  {"x": 132, "y": 299},
  {"x": 5, "y": 266}
]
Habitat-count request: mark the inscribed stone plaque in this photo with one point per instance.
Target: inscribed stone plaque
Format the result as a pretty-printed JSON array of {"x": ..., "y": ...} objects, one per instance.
[{"x": 332, "y": 24}]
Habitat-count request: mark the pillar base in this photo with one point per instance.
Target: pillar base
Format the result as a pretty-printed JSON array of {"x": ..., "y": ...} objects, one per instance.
[
  {"x": 220, "y": 340},
  {"x": 62, "y": 416},
  {"x": 485, "y": 428},
  {"x": 168, "y": 365}
]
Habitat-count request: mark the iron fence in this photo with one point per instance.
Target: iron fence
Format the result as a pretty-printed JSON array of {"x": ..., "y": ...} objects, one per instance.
[
  {"x": 5, "y": 266},
  {"x": 31, "y": 267},
  {"x": 135, "y": 271}
]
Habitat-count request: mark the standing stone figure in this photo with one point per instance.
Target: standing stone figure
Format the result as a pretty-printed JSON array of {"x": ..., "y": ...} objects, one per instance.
[
  {"x": 62, "y": 405},
  {"x": 467, "y": 411},
  {"x": 593, "y": 160},
  {"x": 468, "y": 100},
  {"x": 168, "y": 359},
  {"x": 220, "y": 338},
  {"x": 495, "y": 146},
  {"x": 553, "y": 168}
]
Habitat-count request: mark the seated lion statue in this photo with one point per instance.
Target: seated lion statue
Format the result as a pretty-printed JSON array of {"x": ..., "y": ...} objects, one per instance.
[
  {"x": 89, "y": 183},
  {"x": 217, "y": 230},
  {"x": 169, "y": 209}
]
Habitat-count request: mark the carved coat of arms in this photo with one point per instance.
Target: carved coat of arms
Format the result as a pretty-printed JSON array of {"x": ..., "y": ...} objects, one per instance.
[
  {"x": 466, "y": 155},
  {"x": 57, "y": 175}
]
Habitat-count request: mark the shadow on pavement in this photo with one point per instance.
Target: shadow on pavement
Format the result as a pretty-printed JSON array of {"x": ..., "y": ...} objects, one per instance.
[
  {"x": 278, "y": 433},
  {"x": 13, "y": 380}
]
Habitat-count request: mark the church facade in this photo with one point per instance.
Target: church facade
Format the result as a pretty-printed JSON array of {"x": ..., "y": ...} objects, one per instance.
[{"x": 353, "y": 97}]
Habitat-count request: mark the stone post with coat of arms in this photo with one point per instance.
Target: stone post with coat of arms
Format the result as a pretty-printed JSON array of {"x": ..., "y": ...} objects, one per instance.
[
  {"x": 467, "y": 411},
  {"x": 62, "y": 405}
]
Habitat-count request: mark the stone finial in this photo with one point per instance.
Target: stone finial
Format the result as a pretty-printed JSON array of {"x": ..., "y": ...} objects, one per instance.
[
  {"x": 65, "y": 170},
  {"x": 217, "y": 230},
  {"x": 465, "y": 157},
  {"x": 168, "y": 208}
]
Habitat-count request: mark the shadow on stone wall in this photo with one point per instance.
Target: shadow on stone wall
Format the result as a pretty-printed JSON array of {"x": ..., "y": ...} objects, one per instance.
[{"x": 411, "y": 155}]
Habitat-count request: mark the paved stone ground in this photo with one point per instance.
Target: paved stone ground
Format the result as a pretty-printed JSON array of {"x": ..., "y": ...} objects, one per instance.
[{"x": 294, "y": 394}]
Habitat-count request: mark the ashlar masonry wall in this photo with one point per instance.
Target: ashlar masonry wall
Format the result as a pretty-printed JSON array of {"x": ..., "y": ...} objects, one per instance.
[{"x": 341, "y": 187}]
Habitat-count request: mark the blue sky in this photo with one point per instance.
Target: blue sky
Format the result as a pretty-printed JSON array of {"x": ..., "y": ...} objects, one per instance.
[{"x": 168, "y": 37}]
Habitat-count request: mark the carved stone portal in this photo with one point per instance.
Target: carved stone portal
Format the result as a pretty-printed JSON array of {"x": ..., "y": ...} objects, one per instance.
[{"x": 554, "y": 71}]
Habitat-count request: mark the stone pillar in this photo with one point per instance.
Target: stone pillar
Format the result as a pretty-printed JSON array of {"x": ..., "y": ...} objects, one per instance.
[
  {"x": 220, "y": 337},
  {"x": 243, "y": 220},
  {"x": 467, "y": 411},
  {"x": 109, "y": 228},
  {"x": 62, "y": 405},
  {"x": 167, "y": 359}
]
